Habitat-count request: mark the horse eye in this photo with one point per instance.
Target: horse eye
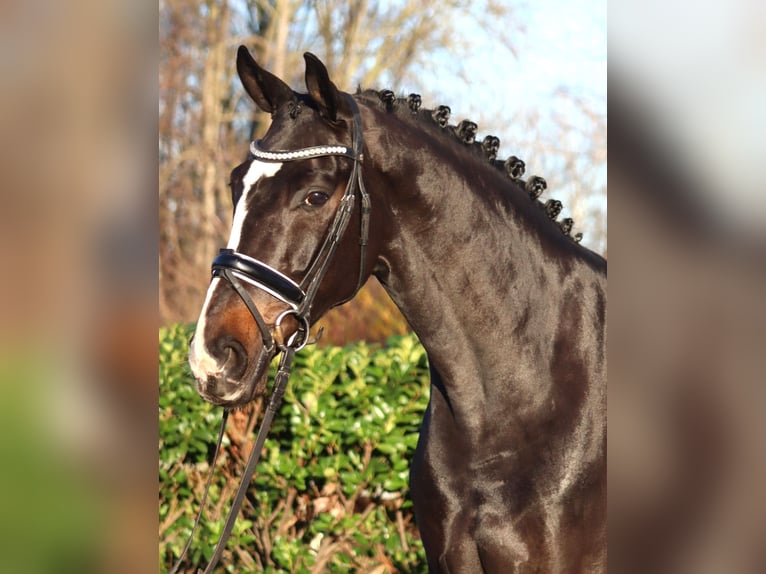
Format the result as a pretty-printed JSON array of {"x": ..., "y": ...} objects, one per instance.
[{"x": 316, "y": 198}]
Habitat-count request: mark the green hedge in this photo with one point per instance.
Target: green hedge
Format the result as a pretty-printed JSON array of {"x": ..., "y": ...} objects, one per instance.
[{"x": 331, "y": 491}]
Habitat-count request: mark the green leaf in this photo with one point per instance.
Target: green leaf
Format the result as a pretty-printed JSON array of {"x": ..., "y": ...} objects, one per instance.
[{"x": 339, "y": 404}]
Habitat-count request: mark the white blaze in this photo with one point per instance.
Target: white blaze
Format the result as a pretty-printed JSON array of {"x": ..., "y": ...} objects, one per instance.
[
  {"x": 258, "y": 169},
  {"x": 202, "y": 363}
]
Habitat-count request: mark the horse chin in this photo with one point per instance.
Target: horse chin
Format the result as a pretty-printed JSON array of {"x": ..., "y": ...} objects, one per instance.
[{"x": 232, "y": 393}]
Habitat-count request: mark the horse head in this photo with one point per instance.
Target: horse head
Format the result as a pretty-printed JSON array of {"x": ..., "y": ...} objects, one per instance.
[{"x": 294, "y": 250}]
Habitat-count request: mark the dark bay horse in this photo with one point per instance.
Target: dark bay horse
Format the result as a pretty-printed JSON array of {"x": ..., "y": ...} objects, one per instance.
[{"x": 510, "y": 469}]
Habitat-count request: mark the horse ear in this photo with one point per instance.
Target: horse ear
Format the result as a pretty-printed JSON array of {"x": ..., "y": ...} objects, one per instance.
[
  {"x": 321, "y": 88},
  {"x": 267, "y": 91}
]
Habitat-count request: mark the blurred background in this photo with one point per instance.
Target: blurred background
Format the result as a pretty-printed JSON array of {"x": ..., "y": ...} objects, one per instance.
[
  {"x": 103, "y": 240},
  {"x": 687, "y": 462},
  {"x": 78, "y": 296},
  {"x": 90, "y": 237}
]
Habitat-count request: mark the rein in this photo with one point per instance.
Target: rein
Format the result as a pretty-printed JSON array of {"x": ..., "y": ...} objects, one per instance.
[{"x": 233, "y": 267}]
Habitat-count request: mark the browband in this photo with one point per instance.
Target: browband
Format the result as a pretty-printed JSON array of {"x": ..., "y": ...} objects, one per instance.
[{"x": 305, "y": 153}]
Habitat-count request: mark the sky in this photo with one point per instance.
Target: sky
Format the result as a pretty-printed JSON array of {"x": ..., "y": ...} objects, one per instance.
[
  {"x": 563, "y": 45},
  {"x": 560, "y": 46}
]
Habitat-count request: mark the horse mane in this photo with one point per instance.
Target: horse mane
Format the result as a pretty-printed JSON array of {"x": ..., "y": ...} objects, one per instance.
[{"x": 465, "y": 133}]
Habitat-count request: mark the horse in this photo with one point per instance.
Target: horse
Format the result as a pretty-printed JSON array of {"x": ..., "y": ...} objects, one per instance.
[{"x": 509, "y": 474}]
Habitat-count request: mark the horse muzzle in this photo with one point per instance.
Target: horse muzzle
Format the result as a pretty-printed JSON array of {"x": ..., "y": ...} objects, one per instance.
[{"x": 230, "y": 378}]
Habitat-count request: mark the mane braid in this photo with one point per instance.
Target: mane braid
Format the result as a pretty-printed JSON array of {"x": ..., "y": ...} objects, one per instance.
[{"x": 464, "y": 133}]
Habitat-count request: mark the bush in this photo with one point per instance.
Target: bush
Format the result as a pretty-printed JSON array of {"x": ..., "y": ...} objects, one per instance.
[{"x": 331, "y": 489}]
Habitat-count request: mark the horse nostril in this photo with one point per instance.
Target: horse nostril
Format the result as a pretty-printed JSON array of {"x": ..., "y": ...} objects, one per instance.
[{"x": 233, "y": 357}]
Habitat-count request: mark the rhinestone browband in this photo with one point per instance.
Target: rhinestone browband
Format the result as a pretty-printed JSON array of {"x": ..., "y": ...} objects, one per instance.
[{"x": 305, "y": 153}]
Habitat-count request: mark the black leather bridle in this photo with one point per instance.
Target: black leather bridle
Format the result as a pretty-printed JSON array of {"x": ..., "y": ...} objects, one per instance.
[{"x": 236, "y": 267}]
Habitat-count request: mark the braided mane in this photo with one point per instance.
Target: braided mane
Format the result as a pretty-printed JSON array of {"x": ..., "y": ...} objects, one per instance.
[{"x": 488, "y": 147}]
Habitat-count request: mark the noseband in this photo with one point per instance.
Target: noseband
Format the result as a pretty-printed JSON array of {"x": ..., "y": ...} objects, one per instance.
[{"x": 234, "y": 266}]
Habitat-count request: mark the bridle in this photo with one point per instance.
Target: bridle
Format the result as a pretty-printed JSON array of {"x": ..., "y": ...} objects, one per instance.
[
  {"x": 233, "y": 266},
  {"x": 236, "y": 267}
]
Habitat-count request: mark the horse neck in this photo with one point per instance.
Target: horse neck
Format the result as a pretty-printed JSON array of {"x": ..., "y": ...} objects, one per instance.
[{"x": 470, "y": 271}]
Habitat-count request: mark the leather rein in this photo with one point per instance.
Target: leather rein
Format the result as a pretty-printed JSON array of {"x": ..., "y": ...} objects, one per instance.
[{"x": 236, "y": 267}]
